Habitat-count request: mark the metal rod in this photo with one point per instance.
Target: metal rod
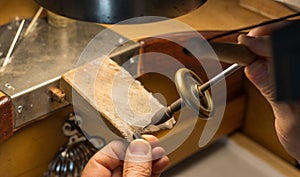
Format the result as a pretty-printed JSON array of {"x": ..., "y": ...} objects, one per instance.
[
  {"x": 167, "y": 113},
  {"x": 34, "y": 19},
  {"x": 175, "y": 106},
  {"x": 222, "y": 75},
  {"x": 12, "y": 46},
  {"x": 136, "y": 135},
  {"x": 254, "y": 26}
]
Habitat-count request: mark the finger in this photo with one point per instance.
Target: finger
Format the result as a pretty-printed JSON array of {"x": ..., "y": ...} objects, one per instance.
[
  {"x": 159, "y": 166},
  {"x": 106, "y": 160},
  {"x": 138, "y": 159},
  {"x": 117, "y": 172},
  {"x": 259, "y": 45},
  {"x": 160, "y": 160},
  {"x": 157, "y": 153},
  {"x": 259, "y": 74},
  {"x": 154, "y": 142},
  {"x": 267, "y": 29},
  {"x": 113, "y": 154},
  {"x": 95, "y": 169}
]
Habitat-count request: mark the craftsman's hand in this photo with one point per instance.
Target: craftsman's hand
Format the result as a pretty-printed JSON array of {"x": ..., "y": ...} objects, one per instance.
[
  {"x": 141, "y": 158},
  {"x": 287, "y": 115}
]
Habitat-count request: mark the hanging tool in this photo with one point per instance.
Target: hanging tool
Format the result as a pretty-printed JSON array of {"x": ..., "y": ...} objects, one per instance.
[
  {"x": 193, "y": 92},
  {"x": 73, "y": 156}
]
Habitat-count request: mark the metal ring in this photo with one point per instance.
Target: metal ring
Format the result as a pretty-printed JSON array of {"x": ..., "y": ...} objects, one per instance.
[{"x": 186, "y": 82}]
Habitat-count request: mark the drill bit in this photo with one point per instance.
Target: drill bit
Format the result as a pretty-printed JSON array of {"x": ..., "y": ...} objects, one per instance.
[{"x": 137, "y": 136}]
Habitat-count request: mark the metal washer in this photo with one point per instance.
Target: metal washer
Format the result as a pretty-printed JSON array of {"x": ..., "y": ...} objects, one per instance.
[{"x": 187, "y": 83}]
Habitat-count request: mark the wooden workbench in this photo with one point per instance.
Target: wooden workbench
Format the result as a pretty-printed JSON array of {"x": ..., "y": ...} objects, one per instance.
[{"x": 214, "y": 15}]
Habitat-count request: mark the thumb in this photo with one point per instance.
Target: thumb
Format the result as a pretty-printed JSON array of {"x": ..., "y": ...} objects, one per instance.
[
  {"x": 259, "y": 72},
  {"x": 138, "y": 159},
  {"x": 259, "y": 45}
]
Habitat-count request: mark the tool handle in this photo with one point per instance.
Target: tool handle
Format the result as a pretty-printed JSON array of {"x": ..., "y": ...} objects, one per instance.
[
  {"x": 160, "y": 45},
  {"x": 233, "y": 53}
]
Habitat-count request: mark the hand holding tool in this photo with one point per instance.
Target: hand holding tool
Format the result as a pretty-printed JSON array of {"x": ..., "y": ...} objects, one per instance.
[{"x": 193, "y": 91}]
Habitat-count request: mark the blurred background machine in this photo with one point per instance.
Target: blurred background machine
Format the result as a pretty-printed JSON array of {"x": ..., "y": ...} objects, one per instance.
[{"x": 34, "y": 108}]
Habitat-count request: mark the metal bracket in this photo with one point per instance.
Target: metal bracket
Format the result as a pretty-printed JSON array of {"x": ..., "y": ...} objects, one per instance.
[{"x": 32, "y": 78}]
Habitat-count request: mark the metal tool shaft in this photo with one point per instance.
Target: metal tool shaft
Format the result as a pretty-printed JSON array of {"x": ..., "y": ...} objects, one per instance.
[
  {"x": 222, "y": 75},
  {"x": 166, "y": 113}
]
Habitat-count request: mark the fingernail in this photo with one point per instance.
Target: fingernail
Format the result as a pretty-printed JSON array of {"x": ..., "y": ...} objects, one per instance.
[
  {"x": 139, "y": 147},
  {"x": 249, "y": 37},
  {"x": 243, "y": 38}
]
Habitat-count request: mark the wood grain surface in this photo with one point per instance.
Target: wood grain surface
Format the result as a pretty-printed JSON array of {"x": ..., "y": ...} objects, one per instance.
[
  {"x": 6, "y": 117},
  {"x": 112, "y": 91},
  {"x": 45, "y": 137}
]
